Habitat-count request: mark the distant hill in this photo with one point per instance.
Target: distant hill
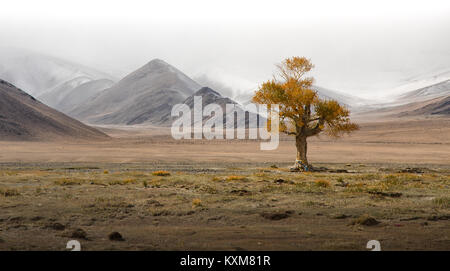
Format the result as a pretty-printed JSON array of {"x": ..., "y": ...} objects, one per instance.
[
  {"x": 225, "y": 90},
  {"x": 144, "y": 96},
  {"x": 210, "y": 96},
  {"x": 422, "y": 94},
  {"x": 22, "y": 117},
  {"x": 420, "y": 87},
  {"x": 437, "y": 106}
]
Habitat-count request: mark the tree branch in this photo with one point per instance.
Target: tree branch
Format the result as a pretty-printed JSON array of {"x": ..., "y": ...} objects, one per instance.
[
  {"x": 315, "y": 130},
  {"x": 311, "y": 120}
]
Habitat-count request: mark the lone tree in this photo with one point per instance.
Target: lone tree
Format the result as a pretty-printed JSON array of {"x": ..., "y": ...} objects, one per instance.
[{"x": 302, "y": 112}]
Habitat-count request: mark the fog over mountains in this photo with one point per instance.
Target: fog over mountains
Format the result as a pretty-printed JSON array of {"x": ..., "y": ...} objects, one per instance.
[
  {"x": 38, "y": 73},
  {"x": 147, "y": 95}
]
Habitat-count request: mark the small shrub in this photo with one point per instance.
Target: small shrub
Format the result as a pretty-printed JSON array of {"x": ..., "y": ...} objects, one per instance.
[
  {"x": 369, "y": 177},
  {"x": 356, "y": 187},
  {"x": 9, "y": 192},
  {"x": 129, "y": 181},
  {"x": 311, "y": 203},
  {"x": 365, "y": 220},
  {"x": 161, "y": 173},
  {"x": 322, "y": 183},
  {"x": 392, "y": 180},
  {"x": 260, "y": 174},
  {"x": 97, "y": 182},
  {"x": 145, "y": 184},
  {"x": 123, "y": 182},
  {"x": 236, "y": 178},
  {"x": 443, "y": 202},
  {"x": 106, "y": 172},
  {"x": 208, "y": 189},
  {"x": 64, "y": 182},
  {"x": 196, "y": 203}
]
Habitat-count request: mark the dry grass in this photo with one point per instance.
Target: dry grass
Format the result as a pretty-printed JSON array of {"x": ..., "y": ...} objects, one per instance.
[
  {"x": 442, "y": 202},
  {"x": 322, "y": 183},
  {"x": 226, "y": 202},
  {"x": 69, "y": 182},
  {"x": 123, "y": 182}
]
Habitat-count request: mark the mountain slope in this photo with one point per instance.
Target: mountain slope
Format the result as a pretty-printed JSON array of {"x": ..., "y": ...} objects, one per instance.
[
  {"x": 436, "y": 90},
  {"x": 144, "y": 96},
  {"x": 82, "y": 93},
  {"x": 22, "y": 117},
  {"x": 56, "y": 95},
  {"x": 422, "y": 81},
  {"x": 437, "y": 106}
]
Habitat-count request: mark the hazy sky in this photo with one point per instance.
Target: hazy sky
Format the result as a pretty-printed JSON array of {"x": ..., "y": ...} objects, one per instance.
[{"x": 358, "y": 47}]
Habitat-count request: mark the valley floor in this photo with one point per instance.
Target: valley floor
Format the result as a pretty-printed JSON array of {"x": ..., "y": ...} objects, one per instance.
[
  {"x": 389, "y": 182},
  {"x": 407, "y": 142}
]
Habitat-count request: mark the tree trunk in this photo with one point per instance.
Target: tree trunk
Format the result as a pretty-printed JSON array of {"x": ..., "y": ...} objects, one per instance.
[
  {"x": 301, "y": 162},
  {"x": 302, "y": 148}
]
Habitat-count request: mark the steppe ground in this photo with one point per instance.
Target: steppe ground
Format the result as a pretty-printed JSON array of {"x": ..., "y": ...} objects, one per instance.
[{"x": 390, "y": 182}]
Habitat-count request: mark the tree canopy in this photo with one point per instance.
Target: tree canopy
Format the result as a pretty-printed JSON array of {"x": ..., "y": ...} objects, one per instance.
[{"x": 302, "y": 112}]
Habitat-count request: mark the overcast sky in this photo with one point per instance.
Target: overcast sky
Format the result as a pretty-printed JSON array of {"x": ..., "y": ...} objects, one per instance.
[{"x": 358, "y": 47}]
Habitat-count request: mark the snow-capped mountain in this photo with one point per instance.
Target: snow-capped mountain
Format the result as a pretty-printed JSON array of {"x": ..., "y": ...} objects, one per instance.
[{"x": 426, "y": 93}]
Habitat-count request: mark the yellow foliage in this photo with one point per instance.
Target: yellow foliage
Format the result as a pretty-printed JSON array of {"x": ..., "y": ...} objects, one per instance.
[
  {"x": 161, "y": 173},
  {"x": 196, "y": 202},
  {"x": 236, "y": 178},
  {"x": 300, "y": 105}
]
